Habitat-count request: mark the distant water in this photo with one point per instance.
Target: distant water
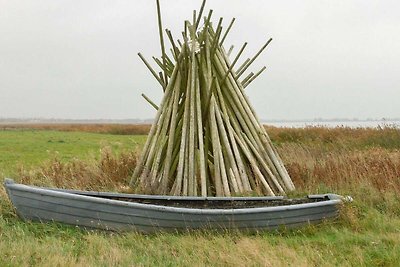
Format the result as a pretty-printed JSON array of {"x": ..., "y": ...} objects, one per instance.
[{"x": 331, "y": 124}]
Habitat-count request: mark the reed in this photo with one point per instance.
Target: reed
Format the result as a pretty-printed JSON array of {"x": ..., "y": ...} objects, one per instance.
[{"x": 313, "y": 164}]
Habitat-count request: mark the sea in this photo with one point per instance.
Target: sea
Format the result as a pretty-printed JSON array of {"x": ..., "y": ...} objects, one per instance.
[{"x": 337, "y": 123}]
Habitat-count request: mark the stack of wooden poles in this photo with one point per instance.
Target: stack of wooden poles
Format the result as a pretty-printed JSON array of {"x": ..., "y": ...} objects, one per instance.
[{"x": 206, "y": 139}]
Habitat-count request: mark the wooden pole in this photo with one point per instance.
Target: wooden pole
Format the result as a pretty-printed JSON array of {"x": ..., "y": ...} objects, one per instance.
[
  {"x": 246, "y": 83},
  {"x": 254, "y": 58},
  {"x": 150, "y": 102},
  {"x": 227, "y": 31},
  {"x": 160, "y": 31},
  {"x": 151, "y": 70}
]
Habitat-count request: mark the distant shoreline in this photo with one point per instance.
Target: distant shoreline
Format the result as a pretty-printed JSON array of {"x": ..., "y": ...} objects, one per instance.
[
  {"x": 147, "y": 121},
  {"x": 333, "y": 123},
  {"x": 352, "y": 123}
]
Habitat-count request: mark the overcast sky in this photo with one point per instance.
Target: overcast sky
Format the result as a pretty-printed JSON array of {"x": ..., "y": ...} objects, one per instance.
[{"x": 78, "y": 59}]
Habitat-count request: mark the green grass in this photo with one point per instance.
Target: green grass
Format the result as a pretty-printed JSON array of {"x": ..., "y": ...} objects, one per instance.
[
  {"x": 32, "y": 147},
  {"x": 331, "y": 244},
  {"x": 367, "y": 234}
]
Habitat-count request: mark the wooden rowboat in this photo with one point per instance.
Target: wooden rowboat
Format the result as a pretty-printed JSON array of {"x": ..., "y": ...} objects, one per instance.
[{"x": 150, "y": 213}]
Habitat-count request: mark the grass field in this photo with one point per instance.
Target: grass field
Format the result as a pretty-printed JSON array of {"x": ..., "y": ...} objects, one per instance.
[
  {"x": 363, "y": 163},
  {"x": 27, "y": 148}
]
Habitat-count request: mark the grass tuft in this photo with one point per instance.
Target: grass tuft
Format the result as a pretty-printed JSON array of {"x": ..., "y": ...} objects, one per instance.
[{"x": 109, "y": 172}]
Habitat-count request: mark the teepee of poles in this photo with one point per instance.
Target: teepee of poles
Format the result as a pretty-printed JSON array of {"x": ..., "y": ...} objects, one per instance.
[{"x": 206, "y": 139}]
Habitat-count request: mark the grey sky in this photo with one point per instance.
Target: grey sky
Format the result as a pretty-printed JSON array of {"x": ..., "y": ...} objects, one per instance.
[{"x": 78, "y": 59}]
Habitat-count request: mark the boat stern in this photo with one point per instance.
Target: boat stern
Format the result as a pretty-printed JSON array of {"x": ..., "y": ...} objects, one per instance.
[{"x": 7, "y": 183}]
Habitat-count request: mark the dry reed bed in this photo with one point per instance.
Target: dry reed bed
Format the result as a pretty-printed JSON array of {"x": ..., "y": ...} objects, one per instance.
[
  {"x": 311, "y": 167},
  {"x": 109, "y": 172},
  {"x": 342, "y": 137},
  {"x": 342, "y": 169},
  {"x": 106, "y": 128}
]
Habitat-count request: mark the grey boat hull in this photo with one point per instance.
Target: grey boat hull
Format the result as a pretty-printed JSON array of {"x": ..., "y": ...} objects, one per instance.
[{"x": 99, "y": 210}]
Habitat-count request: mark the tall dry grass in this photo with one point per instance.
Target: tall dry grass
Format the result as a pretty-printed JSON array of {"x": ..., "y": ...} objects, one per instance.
[
  {"x": 312, "y": 165},
  {"x": 342, "y": 169},
  {"x": 109, "y": 172},
  {"x": 338, "y": 137}
]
